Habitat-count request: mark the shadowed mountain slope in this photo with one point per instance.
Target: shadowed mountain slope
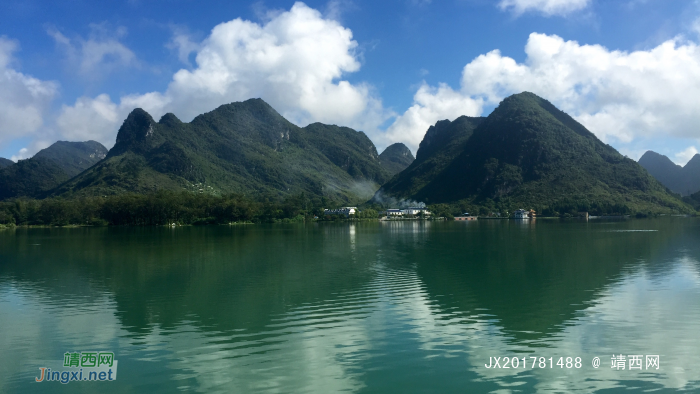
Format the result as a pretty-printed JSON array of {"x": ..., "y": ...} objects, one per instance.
[
  {"x": 49, "y": 168},
  {"x": 395, "y": 158},
  {"x": 440, "y": 146},
  {"x": 683, "y": 180}
]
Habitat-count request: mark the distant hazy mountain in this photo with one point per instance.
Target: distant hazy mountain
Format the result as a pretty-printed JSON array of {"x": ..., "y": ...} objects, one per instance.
[
  {"x": 5, "y": 162},
  {"x": 682, "y": 180},
  {"x": 395, "y": 158},
  {"x": 49, "y": 168},
  {"x": 244, "y": 147},
  {"x": 527, "y": 153}
]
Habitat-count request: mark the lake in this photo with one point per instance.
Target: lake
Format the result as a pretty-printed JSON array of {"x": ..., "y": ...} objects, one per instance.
[{"x": 368, "y": 307}]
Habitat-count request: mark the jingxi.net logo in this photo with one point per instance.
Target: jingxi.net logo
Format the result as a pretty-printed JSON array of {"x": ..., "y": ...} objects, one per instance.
[{"x": 80, "y": 366}]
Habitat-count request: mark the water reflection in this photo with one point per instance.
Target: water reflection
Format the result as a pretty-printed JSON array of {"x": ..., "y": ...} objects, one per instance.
[{"x": 363, "y": 307}]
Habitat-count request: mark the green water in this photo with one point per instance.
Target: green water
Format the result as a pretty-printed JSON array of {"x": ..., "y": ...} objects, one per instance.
[{"x": 403, "y": 307}]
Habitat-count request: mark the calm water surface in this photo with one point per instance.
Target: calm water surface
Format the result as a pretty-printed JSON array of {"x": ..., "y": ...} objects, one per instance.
[{"x": 404, "y": 307}]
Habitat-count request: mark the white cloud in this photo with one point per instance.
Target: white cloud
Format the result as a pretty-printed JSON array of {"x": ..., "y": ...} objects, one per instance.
[
  {"x": 620, "y": 96},
  {"x": 21, "y": 155},
  {"x": 684, "y": 156},
  {"x": 90, "y": 119},
  {"x": 546, "y": 7},
  {"x": 183, "y": 43},
  {"x": 295, "y": 61},
  {"x": 615, "y": 94},
  {"x": 100, "y": 54},
  {"x": 429, "y": 105},
  {"x": 336, "y": 8},
  {"x": 24, "y": 100}
]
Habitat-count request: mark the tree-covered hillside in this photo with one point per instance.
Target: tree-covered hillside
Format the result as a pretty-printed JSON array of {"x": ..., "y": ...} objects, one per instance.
[
  {"x": 528, "y": 154},
  {"x": 395, "y": 158},
  {"x": 682, "y": 180},
  {"x": 439, "y": 147},
  {"x": 244, "y": 147},
  {"x": 74, "y": 157},
  {"x": 49, "y": 168}
]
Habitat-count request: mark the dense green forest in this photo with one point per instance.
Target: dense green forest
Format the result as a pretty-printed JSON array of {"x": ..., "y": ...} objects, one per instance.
[
  {"x": 684, "y": 180},
  {"x": 527, "y": 154},
  {"x": 49, "y": 168},
  {"x": 186, "y": 208},
  {"x": 243, "y": 147},
  {"x": 164, "y": 208}
]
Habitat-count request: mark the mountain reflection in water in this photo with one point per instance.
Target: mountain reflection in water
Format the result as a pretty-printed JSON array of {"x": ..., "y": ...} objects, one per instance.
[{"x": 410, "y": 306}]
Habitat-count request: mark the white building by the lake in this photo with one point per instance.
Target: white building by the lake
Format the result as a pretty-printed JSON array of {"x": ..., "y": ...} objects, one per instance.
[
  {"x": 521, "y": 214},
  {"x": 415, "y": 211},
  {"x": 345, "y": 211}
]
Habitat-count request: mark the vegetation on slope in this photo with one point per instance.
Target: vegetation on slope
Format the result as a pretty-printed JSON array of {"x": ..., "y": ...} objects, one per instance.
[
  {"x": 528, "y": 154},
  {"x": 245, "y": 148},
  {"x": 395, "y": 158},
  {"x": 74, "y": 157},
  {"x": 440, "y": 146},
  {"x": 682, "y": 180},
  {"x": 49, "y": 168},
  {"x": 165, "y": 208}
]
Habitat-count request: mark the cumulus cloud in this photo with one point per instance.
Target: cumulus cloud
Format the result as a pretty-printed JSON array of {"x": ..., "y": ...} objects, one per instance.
[
  {"x": 295, "y": 61},
  {"x": 89, "y": 119},
  {"x": 24, "y": 100},
  {"x": 616, "y": 94},
  {"x": 98, "y": 55},
  {"x": 429, "y": 105},
  {"x": 546, "y": 7},
  {"x": 620, "y": 96},
  {"x": 684, "y": 156},
  {"x": 182, "y": 42}
]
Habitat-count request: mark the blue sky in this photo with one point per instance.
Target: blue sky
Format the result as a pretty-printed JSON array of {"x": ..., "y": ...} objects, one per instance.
[{"x": 629, "y": 70}]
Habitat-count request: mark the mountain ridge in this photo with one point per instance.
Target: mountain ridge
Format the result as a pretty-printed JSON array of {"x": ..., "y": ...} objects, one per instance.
[
  {"x": 684, "y": 180},
  {"x": 529, "y": 154},
  {"x": 395, "y": 158},
  {"x": 242, "y": 147},
  {"x": 48, "y": 168}
]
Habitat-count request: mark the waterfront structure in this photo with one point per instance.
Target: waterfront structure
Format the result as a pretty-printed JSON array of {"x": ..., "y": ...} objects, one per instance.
[
  {"x": 521, "y": 214},
  {"x": 464, "y": 218},
  {"x": 345, "y": 211},
  {"x": 415, "y": 211},
  {"x": 394, "y": 212}
]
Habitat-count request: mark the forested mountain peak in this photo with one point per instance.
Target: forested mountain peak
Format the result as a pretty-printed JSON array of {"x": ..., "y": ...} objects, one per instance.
[
  {"x": 445, "y": 133},
  {"x": 74, "y": 157},
  {"x": 527, "y": 154},
  {"x": 138, "y": 126},
  {"x": 693, "y": 164},
  {"x": 683, "y": 180},
  {"x": 49, "y": 168},
  {"x": 169, "y": 119},
  {"x": 396, "y": 157},
  {"x": 5, "y": 162},
  {"x": 244, "y": 147}
]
